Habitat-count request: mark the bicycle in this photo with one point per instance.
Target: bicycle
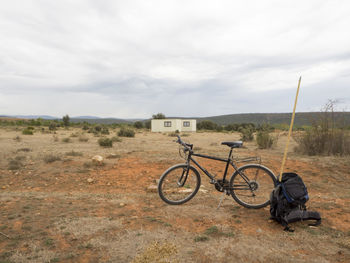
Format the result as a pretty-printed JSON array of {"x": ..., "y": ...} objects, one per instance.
[{"x": 250, "y": 184}]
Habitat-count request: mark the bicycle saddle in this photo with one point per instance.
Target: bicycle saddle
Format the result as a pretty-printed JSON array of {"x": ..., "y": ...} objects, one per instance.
[{"x": 236, "y": 144}]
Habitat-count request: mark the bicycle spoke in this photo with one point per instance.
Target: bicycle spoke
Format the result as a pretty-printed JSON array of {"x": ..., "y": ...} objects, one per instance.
[{"x": 256, "y": 192}]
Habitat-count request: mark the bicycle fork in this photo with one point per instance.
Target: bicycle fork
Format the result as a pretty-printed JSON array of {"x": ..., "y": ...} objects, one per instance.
[{"x": 181, "y": 182}]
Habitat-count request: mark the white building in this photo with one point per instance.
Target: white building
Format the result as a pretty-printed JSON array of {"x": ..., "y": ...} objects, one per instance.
[{"x": 171, "y": 125}]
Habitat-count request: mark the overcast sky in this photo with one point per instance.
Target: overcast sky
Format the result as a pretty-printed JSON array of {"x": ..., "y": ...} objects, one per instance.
[{"x": 131, "y": 59}]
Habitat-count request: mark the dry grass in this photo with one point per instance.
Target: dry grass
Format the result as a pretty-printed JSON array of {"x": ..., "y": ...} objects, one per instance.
[{"x": 52, "y": 213}]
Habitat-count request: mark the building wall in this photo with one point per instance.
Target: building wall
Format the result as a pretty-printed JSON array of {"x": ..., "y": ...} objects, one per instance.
[{"x": 176, "y": 124}]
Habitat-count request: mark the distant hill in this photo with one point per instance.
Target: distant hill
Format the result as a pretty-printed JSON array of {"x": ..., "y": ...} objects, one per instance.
[
  {"x": 100, "y": 120},
  {"x": 301, "y": 118}
]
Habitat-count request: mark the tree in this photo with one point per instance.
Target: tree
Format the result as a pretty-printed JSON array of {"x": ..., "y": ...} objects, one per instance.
[
  {"x": 158, "y": 116},
  {"x": 65, "y": 120}
]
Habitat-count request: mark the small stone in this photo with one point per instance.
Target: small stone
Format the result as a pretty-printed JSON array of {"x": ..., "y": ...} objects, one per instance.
[
  {"x": 134, "y": 217},
  {"x": 122, "y": 204},
  {"x": 203, "y": 191},
  {"x": 186, "y": 191},
  {"x": 108, "y": 184},
  {"x": 157, "y": 181},
  {"x": 97, "y": 159},
  {"x": 152, "y": 188},
  {"x": 90, "y": 180},
  {"x": 4, "y": 187},
  {"x": 259, "y": 230}
]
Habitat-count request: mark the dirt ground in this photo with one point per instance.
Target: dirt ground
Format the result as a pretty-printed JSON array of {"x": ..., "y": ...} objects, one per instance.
[{"x": 57, "y": 206}]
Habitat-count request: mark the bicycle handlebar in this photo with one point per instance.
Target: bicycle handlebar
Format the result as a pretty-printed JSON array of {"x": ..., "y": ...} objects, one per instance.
[{"x": 186, "y": 145}]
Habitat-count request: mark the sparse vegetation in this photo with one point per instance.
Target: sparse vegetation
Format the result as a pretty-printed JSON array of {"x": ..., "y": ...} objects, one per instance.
[
  {"x": 27, "y": 131},
  {"x": 201, "y": 238},
  {"x": 117, "y": 218},
  {"x": 247, "y": 134},
  {"x": 66, "y": 140},
  {"x": 105, "y": 142},
  {"x": 15, "y": 164},
  {"x": 74, "y": 153},
  {"x": 50, "y": 158},
  {"x": 126, "y": 132},
  {"x": 265, "y": 140},
  {"x": 325, "y": 137},
  {"x": 66, "y": 120},
  {"x": 138, "y": 125}
]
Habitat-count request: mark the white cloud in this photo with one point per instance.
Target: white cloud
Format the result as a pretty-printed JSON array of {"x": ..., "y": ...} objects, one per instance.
[{"x": 193, "y": 58}]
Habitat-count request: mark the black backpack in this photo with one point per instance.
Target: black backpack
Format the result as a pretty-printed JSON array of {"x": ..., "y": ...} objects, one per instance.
[{"x": 287, "y": 202}]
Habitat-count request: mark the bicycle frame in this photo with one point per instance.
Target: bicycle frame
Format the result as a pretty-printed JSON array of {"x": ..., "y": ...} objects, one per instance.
[{"x": 228, "y": 161}]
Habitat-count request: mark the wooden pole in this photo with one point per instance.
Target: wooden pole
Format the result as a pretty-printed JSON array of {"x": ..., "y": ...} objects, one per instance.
[{"x": 289, "y": 133}]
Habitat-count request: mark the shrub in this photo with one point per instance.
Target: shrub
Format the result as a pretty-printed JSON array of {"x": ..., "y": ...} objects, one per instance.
[
  {"x": 14, "y": 164},
  {"x": 126, "y": 132},
  {"x": 66, "y": 140},
  {"x": 206, "y": 125},
  {"x": 201, "y": 238},
  {"x": 246, "y": 134},
  {"x": 50, "y": 158},
  {"x": 104, "y": 130},
  {"x": 264, "y": 140},
  {"x": 326, "y": 136},
  {"x": 105, "y": 142},
  {"x": 52, "y": 126},
  {"x": 27, "y": 131},
  {"x": 138, "y": 125}
]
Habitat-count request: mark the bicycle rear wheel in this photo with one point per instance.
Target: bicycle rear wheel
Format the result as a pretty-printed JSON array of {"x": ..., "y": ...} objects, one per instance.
[
  {"x": 254, "y": 192},
  {"x": 179, "y": 184}
]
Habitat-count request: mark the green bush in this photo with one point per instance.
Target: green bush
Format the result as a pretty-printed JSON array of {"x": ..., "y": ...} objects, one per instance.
[
  {"x": 126, "y": 132},
  {"x": 246, "y": 134},
  {"x": 27, "y": 131},
  {"x": 138, "y": 125},
  {"x": 264, "y": 140},
  {"x": 105, "y": 131},
  {"x": 105, "y": 142}
]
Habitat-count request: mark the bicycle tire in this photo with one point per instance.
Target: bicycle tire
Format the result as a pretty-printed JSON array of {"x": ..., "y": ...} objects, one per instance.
[
  {"x": 177, "y": 194},
  {"x": 256, "y": 194}
]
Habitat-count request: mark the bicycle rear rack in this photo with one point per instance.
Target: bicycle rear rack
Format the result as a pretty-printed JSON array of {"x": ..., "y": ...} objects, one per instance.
[{"x": 247, "y": 159}]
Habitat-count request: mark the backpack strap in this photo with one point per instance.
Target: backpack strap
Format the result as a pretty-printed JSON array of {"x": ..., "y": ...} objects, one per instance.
[{"x": 301, "y": 215}]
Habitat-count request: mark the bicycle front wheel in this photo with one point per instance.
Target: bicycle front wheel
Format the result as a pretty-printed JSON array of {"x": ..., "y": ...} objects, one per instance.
[
  {"x": 179, "y": 184},
  {"x": 251, "y": 185}
]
